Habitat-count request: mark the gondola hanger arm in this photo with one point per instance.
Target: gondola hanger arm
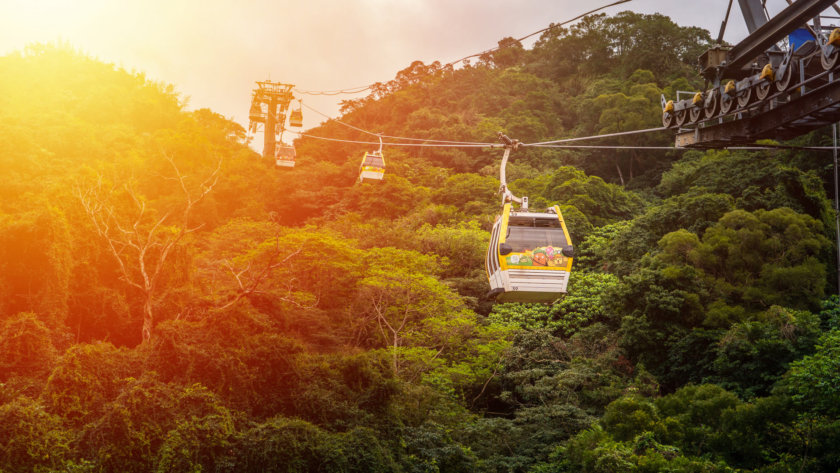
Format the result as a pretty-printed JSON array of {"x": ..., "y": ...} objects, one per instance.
[{"x": 507, "y": 195}]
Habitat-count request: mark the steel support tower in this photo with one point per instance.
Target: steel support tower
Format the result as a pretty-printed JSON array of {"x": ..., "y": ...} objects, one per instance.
[{"x": 269, "y": 104}]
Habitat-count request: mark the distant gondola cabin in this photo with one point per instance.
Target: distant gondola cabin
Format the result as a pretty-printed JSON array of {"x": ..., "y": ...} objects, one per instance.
[
  {"x": 296, "y": 118},
  {"x": 285, "y": 156},
  {"x": 255, "y": 114},
  {"x": 372, "y": 167},
  {"x": 529, "y": 258}
]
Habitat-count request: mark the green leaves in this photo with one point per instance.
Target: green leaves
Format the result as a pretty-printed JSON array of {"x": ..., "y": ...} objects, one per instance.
[
  {"x": 589, "y": 300},
  {"x": 756, "y": 180},
  {"x": 25, "y": 347},
  {"x": 281, "y": 445},
  {"x": 35, "y": 261},
  {"x": 86, "y": 378},
  {"x": 769, "y": 257},
  {"x": 314, "y": 323},
  {"x": 814, "y": 381},
  {"x": 586, "y": 201},
  {"x": 30, "y": 438},
  {"x": 180, "y": 424}
]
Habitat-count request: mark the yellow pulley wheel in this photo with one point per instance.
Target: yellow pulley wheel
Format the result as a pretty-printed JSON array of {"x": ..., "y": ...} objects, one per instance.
[
  {"x": 730, "y": 88},
  {"x": 834, "y": 37},
  {"x": 767, "y": 73}
]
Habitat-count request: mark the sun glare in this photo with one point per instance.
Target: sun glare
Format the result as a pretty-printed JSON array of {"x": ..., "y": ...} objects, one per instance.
[{"x": 47, "y": 20}]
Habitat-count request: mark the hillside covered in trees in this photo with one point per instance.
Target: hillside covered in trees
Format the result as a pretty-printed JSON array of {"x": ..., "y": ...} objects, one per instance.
[{"x": 172, "y": 302}]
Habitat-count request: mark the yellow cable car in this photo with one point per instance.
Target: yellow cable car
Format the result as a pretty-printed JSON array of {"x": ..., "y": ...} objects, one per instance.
[
  {"x": 285, "y": 155},
  {"x": 296, "y": 116},
  {"x": 255, "y": 115},
  {"x": 255, "y": 112},
  {"x": 372, "y": 167},
  {"x": 529, "y": 258}
]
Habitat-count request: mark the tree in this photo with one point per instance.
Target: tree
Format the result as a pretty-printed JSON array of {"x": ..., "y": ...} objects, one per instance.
[
  {"x": 281, "y": 445},
  {"x": 86, "y": 379},
  {"x": 236, "y": 353},
  {"x": 25, "y": 347},
  {"x": 396, "y": 299},
  {"x": 693, "y": 212},
  {"x": 767, "y": 257},
  {"x": 148, "y": 415},
  {"x": 36, "y": 262},
  {"x": 757, "y": 180},
  {"x": 508, "y": 53},
  {"x": 282, "y": 271},
  {"x": 241, "y": 259},
  {"x": 30, "y": 438},
  {"x": 589, "y": 300},
  {"x": 694, "y": 415},
  {"x": 142, "y": 243},
  {"x": 753, "y": 355},
  {"x": 814, "y": 381},
  {"x": 585, "y": 201}
]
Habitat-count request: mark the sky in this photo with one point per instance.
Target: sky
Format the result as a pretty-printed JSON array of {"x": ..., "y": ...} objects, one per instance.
[{"x": 214, "y": 51}]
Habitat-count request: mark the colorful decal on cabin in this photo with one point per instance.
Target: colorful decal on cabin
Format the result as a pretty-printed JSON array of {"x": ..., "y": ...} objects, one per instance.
[{"x": 544, "y": 256}]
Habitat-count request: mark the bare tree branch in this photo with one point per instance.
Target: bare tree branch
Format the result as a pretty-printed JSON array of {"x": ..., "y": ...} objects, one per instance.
[
  {"x": 254, "y": 282},
  {"x": 150, "y": 246}
]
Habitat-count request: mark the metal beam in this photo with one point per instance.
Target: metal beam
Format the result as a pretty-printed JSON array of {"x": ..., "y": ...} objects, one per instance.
[
  {"x": 753, "y": 14},
  {"x": 816, "y": 109},
  {"x": 771, "y": 32}
]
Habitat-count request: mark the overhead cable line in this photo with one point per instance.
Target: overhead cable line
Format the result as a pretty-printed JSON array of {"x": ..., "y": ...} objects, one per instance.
[
  {"x": 646, "y": 148},
  {"x": 348, "y": 91},
  {"x": 338, "y": 121},
  {"x": 558, "y": 143},
  {"x": 552, "y": 26},
  {"x": 428, "y": 145},
  {"x": 674, "y": 148},
  {"x": 608, "y": 147},
  {"x": 394, "y": 137},
  {"x": 425, "y": 142},
  {"x": 593, "y": 137},
  {"x": 785, "y": 147},
  {"x": 356, "y": 90},
  {"x": 544, "y": 144}
]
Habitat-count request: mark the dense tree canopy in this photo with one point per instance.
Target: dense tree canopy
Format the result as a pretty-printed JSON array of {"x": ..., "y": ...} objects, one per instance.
[{"x": 172, "y": 302}]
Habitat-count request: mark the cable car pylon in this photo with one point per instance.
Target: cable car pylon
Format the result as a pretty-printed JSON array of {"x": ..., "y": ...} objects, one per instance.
[
  {"x": 276, "y": 98},
  {"x": 529, "y": 258}
]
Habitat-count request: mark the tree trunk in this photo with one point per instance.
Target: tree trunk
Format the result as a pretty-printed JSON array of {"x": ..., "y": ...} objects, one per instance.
[
  {"x": 148, "y": 319},
  {"x": 396, "y": 363},
  {"x": 620, "y": 176}
]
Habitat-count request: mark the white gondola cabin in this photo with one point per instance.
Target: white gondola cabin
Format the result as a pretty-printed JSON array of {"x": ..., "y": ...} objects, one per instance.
[
  {"x": 285, "y": 155},
  {"x": 529, "y": 258},
  {"x": 372, "y": 167},
  {"x": 255, "y": 113},
  {"x": 296, "y": 117}
]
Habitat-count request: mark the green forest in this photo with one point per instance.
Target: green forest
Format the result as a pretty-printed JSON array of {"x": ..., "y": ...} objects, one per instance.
[{"x": 171, "y": 301}]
